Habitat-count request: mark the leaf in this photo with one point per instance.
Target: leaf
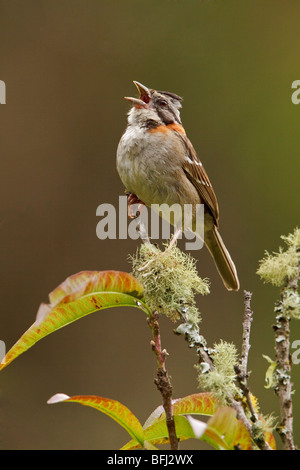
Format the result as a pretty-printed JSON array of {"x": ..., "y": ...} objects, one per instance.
[
  {"x": 198, "y": 427},
  {"x": 270, "y": 439},
  {"x": 80, "y": 295},
  {"x": 157, "y": 433},
  {"x": 155, "y": 427},
  {"x": 222, "y": 418},
  {"x": 225, "y": 431},
  {"x": 120, "y": 413},
  {"x": 222, "y": 430},
  {"x": 203, "y": 403}
]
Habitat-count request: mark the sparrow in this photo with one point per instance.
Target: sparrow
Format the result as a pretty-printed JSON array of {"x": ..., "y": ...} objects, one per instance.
[{"x": 158, "y": 164}]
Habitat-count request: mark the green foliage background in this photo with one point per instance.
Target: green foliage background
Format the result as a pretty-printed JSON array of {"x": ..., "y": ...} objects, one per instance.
[{"x": 67, "y": 65}]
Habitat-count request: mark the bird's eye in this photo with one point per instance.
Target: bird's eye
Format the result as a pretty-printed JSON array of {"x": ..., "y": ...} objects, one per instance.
[{"x": 163, "y": 102}]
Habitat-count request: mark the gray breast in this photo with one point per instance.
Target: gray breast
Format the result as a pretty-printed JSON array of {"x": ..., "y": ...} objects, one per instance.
[{"x": 143, "y": 163}]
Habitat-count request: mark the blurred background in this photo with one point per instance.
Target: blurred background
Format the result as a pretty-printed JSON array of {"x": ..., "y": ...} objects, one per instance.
[{"x": 67, "y": 65}]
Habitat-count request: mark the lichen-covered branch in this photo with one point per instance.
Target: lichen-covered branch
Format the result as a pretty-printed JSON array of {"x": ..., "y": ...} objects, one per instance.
[
  {"x": 282, "y": 269},
  {"x": 242, "y": 369},
  {"x": 283, "y": 387},
  {"x": 219, "y": 372},
  {"x": 171, "y": 281}
]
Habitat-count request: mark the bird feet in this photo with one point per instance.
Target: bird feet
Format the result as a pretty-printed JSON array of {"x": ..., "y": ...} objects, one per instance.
[
  {"x": 134, "y": 213},
  {"x": 133, "y": 200},
  {"x": 173, "y": 242}
]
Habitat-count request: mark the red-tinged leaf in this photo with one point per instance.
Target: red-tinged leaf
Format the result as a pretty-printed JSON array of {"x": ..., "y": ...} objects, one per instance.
[
  {"x": 155, "y": 426},
  {"x": 80, "y": 295},
  {"x": 270, "y": 439},
  {"x": 222, "y": 431},
  {"x": 87, "y": 282},
  {"x": 198, "y": 403},
  {"x": 242, "y": 438},
  {"x": 225, "y": 431},
  {"x": 120, "y": 413}
]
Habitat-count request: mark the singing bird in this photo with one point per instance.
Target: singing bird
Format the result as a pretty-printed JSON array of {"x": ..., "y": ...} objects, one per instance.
[{"x": 158, "y": 164}]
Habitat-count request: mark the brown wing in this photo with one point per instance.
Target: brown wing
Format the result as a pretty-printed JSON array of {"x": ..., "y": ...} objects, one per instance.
[{"x": 197, "y": 175}]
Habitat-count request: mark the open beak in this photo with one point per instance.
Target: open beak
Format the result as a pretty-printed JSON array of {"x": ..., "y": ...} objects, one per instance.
[{"x": 145, "y": 95}]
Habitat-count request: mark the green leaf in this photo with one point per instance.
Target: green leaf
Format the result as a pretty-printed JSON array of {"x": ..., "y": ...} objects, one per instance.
[
  {"x": 157, "y": 433},
  {"x": 80, "y": 295},
  {"x": 120, "y": 413}
]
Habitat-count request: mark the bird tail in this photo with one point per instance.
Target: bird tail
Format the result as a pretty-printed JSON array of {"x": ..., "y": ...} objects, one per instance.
[{"x": 222, "y": 259}]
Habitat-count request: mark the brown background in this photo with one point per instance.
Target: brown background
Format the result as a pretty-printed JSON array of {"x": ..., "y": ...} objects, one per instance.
[{"x": 67, "y": 65}]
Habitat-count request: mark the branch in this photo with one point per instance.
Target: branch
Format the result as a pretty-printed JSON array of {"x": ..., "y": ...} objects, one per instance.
[
  {"x": 248, "y": 317},
  {"x": 283, "y": 369},
  {"x": 163, "y": 381},
  {"x": 191, "y": 332},
  {"x": 242, "y": 369},
  {"x": 283, "y": 269}
]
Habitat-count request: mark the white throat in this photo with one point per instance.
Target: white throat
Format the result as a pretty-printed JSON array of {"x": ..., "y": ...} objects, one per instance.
[{"x": 139, "y": 116}]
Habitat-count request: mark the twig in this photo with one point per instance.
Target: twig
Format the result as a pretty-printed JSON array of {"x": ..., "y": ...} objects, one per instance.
[
  {"x": 163, "y": 381},
  {"x": 248, "y": 317},
  {"x": 283, "y": 369},
  {"x": 242, "y": 369},
  {"x": 242, "y": 376}
]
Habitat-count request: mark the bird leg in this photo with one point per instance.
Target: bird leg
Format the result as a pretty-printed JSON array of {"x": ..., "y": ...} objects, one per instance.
[
  {"x": 133, "y": 200},
  {"x": 132, "y": 214},
  {"x": 164, "y": 253},
  {"x": 175, "y": 237}
]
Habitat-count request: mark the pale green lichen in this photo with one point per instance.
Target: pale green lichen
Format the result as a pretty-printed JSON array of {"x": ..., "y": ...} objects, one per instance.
[
  {"x": 291, "y": 304},
  {"x": 264, "y": 425},
  {"x": 270, "y": 377},
  {"x": 282, "y": 269},
  {"x": 293, "y": 240},
  {"x": 170, "y": 280},
  {"x": 221, "y": 380},
  {"x": 278, "y": 268}
]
